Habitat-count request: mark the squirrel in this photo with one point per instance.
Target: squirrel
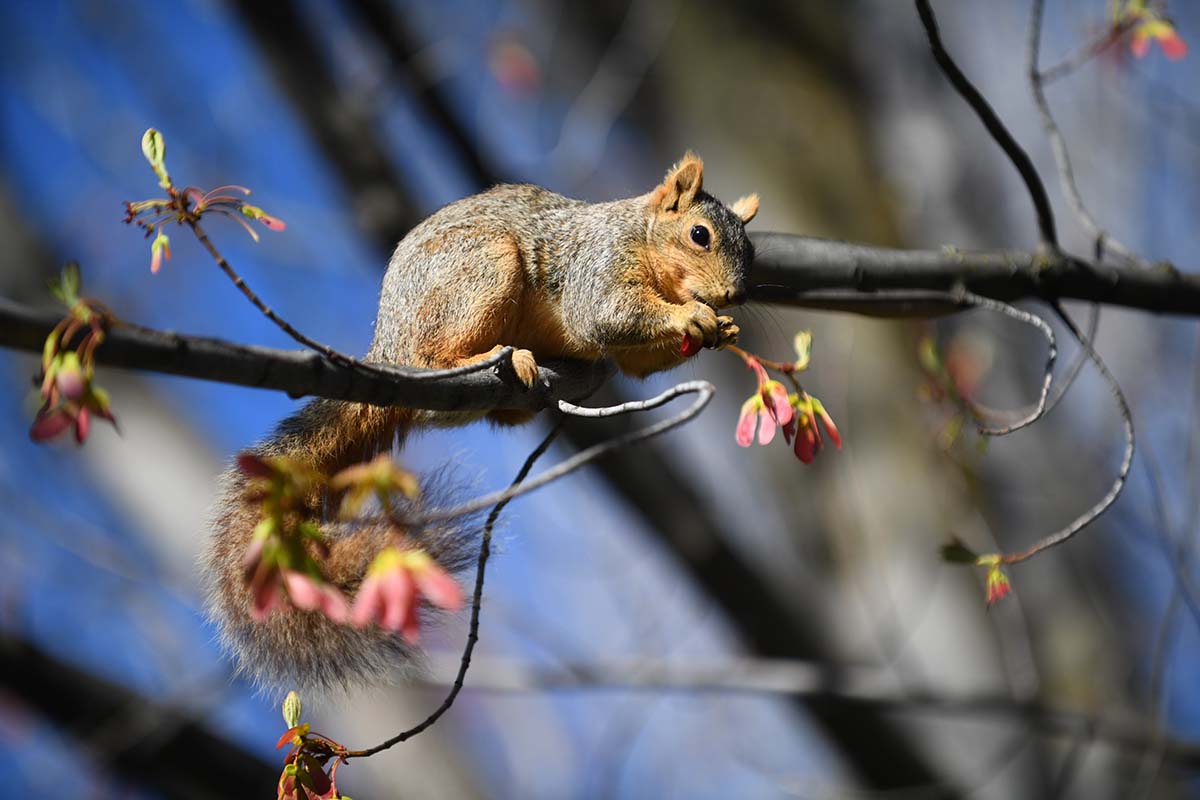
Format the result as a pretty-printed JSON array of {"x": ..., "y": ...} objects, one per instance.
[{"x": 630, "y": 280}]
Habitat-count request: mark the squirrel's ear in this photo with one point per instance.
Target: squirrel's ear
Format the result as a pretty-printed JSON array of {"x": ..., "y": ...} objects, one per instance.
[
  {"x": 679, "y": 188},
  {"x": 746, "y": 207}
]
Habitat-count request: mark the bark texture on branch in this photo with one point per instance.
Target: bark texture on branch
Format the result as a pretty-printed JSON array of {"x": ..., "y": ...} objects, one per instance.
[
  {"x": 825, "y": 274},
  {"x": 303, "y": 372},
  {"x": 788, "y": 270}
]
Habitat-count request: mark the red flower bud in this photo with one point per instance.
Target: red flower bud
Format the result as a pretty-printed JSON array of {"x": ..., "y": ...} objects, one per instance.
[{"x": 689, "y": 347}]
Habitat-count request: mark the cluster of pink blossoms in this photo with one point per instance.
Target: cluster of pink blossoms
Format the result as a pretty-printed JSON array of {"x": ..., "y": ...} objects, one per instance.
[
  {"x": 1147, "y": 23},
  {"x": 310, "y": 766},
  {"x": 70, "y": 396},
  {"x": 187, "y": 205},
  {"x": 395, "y": 585},
  {"x": 282, "y": 564},
  {"x": 796, "y": 414}
]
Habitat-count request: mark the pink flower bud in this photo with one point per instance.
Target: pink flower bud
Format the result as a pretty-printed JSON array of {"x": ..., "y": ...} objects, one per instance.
[
  {"x": 48, "y": 425},
  {"x": 808, "y": 441},
  {"x": 70, "y": 381},
  {"x": 689, "y": 347},
  {"x": 252, "y": 466},
  {"x": 274, "y": 223},
  {"x": 160, "y": 250}
]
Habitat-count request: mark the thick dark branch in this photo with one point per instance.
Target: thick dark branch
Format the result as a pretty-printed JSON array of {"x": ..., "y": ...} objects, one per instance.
[
  {"x": 818, "y": 273},
  {"x": 304, "y": 372},
  {"x": 789, "y": 269}
]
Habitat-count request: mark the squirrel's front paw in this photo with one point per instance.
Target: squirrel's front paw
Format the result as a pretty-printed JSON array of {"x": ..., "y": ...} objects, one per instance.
[
  {"x": 727, "y": 332},
  {"x": 701, "y": 323},
  {"x": 525, "y": 366}
]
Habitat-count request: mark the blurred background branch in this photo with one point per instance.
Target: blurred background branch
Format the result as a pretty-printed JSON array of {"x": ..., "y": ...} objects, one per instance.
[{"x": 355, "y": 121}]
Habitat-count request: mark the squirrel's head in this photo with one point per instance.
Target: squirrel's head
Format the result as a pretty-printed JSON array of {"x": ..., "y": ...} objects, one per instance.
[{"x": 698, "y": 245}]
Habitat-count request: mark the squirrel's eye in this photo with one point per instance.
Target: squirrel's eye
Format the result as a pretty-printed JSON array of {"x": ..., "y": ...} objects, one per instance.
[{"x": 700, "y": 235}]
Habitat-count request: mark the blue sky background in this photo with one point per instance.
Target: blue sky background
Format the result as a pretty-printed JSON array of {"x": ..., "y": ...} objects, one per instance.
[{"x": 80, "y": 81}]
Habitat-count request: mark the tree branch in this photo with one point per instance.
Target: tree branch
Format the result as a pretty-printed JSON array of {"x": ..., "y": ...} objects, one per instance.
[
  {"x": 836, "y": 276},
  {"x": 301, "y": 373},
  {"x": 819, "y": 682},
  {"x": 789, "y": 270}
]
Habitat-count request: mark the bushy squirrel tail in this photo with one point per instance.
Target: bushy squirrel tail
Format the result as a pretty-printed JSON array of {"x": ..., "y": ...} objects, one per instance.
[{"x": 304, "y": 649}]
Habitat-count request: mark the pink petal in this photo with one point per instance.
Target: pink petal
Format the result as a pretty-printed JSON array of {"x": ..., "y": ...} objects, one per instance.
[
  {"x": 265, "y": 596},
  {"x": 806, "y": 444},
  {"x": 766, "y": 427},
  {"x": 155, "y": 260},
  {"x": 399, "y": 594},
  {"x": 776, "y": 400},
  {"x": 1140, "y": 44},
  {"x": 440, "y": 589},
  {"x": 831, "y": 429},
  {"x": 411, "y": 630},
  {"x": 274, "y": 223},
  {"x": 47, "y": 426},
  {"x": 302, "y": 590},
  {"x": 334, "y": 605},
  {"x": 1173, "y": 46},
  {"x": 320, "y": 782},
  {"x": 368, "y": 603},
  {"x": 253, "y": 556},
  {"x": 812, "y": 425},
  {"x": 82, "y": 424},
  {"x": 745, "y": 424},
  {"x": 252, "y": 466}
]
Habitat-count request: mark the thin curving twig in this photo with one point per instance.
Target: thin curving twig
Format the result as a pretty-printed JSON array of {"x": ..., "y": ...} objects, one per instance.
[
  {"x": 1058, "y": 145},
  {"x": 498, "y": 500},
  {"x": 991, "y": 121},
  {"x": 501, "y": 356},
  {"x": 464, "y": 664},
  {"x": 1085, "y": 53},
  {"x": 1033, "y": 320},
  {"x": 1092, "y": 514},
  {"x": 703, "y": 389},
  {"x": 1064, "y": 385}
]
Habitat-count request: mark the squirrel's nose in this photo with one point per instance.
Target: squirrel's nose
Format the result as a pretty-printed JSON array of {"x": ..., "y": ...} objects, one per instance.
[{"x": 736, "y": 298}]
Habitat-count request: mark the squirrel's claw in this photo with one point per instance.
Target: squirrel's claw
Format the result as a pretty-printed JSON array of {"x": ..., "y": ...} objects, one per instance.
[
  {"x": 702, "y": 324},
  {"x": 526, "y": 367},
  {"x": 727, "y": 333}
]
